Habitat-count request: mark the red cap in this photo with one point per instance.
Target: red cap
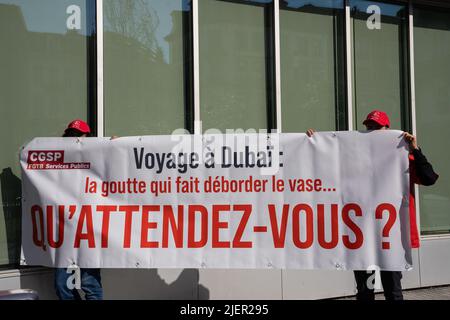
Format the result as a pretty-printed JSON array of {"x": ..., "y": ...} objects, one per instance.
[
  {"x": 79, "y": 125},
  {"x": 379, "y": 117}
]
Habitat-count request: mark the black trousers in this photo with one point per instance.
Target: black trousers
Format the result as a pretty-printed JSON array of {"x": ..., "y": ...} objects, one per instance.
[{"x": 391, "y": 281}]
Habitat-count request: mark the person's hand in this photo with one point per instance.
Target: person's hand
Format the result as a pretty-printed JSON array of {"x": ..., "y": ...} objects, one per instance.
[
  {"x": 310, "y": 132},
  {"x": 114, "y": 137},
  {"x": 412, "y": 141}
]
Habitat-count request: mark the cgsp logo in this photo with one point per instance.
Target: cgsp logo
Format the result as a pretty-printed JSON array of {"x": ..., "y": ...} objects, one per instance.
[
  {"x": 52, "y": 160},
  {"x": 45, "y": 156}
]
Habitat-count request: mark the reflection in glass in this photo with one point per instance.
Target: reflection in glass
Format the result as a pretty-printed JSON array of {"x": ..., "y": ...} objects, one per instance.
[
  {"x": 312, "y": 65},
  {"x": 44, "y": 84},
  {"x": 146, "y": 62},
  {"x": 298, "y": 4},
  {"x": 432, "y": 79},
  {"x": 379, "y": 61}
]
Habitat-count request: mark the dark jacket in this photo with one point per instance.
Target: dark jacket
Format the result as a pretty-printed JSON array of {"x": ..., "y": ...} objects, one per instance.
[
  {"x": 421, "y": 172},
  {"x": 424, "y": 173}
]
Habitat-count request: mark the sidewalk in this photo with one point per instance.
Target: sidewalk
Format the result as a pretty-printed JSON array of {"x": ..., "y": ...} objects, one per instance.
[{"x": 432, "y": 293}]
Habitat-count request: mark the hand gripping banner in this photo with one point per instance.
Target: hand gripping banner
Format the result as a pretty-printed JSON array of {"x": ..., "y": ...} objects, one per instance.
[{"x": 337, "y": 200}]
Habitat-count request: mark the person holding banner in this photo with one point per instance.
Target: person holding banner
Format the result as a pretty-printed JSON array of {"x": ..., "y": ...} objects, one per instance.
[
  {"x": 421, "y": 172},
  {"x": 90, "y": 278}
]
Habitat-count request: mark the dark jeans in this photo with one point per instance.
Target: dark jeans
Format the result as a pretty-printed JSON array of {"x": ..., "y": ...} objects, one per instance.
[
  {"x": 391, "y": 281},
  {"x": 90, "y": 284}
]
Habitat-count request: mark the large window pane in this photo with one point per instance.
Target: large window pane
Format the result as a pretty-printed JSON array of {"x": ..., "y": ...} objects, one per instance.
[
  {"x": 146, "y": 66},
  {"x": 44, "y": 84},
  {"x": 432, "y": 78},
  {"x": 235, "y": 79},
  {"x": 312, "y": 65},
  {"x": 379, "y": 61}
]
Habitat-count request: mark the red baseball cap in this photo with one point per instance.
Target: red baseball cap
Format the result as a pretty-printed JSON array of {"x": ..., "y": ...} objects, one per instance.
[
  {"x": 379, "y": 117},
  {"x": 79, "y": 125}
]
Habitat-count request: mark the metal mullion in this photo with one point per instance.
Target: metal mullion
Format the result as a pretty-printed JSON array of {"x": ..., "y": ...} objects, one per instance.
[
  {"x": 276, "y": 21},
  {"x": 196, "y": 67},
  {"x": 412, "y": 90},
  {"x": 349, "y": 74},
  {"x": 100, "y": 89}
]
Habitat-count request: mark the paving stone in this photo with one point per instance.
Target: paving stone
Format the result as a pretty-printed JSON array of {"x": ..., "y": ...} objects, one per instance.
[{"x": 431, "y": 293}]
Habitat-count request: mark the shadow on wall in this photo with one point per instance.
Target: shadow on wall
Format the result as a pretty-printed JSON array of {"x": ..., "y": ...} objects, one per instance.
[
  {"x": 40, "y": 280},
  {"x": 11, "y": 187},
  {"x": 153, "y": 284},
  {"x": 128, "y": 284}
]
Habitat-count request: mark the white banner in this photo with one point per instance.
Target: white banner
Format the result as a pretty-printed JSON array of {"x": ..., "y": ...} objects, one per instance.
[{"x": 338, "y": 200}]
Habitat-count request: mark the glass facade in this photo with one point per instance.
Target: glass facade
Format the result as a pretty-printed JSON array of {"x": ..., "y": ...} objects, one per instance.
[
  {"x": 379, "y": 42},
  {"x": 44, "y": 84},
  {"x": 146, "y": 66},
  {"x": 48, "y": 63},
  {"x": 235, "y": 60},
  {"x": 432, "y": 82},
  {"x": 312, "y": 65}
]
